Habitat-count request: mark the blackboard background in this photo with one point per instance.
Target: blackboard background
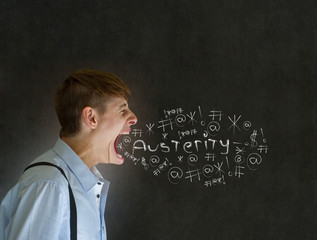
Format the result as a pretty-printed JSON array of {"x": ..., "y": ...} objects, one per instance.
[{"x": 256, "y": 58}]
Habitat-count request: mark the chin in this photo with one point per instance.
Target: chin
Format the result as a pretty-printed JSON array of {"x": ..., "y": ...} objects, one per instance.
[
  {"x": 119, "y": 162},
  {"x": 115, "y": 158}
]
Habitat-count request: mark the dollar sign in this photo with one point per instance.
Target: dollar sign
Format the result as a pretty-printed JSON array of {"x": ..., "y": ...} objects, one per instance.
[{"x": 254, "y": 143}]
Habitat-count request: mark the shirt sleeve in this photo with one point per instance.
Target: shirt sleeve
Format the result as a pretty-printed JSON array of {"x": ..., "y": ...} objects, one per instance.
[{"x": 40, "y": 214}]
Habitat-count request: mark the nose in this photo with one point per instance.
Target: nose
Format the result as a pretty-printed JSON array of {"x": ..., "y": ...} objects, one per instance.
[{"x": 132, "y": 119}]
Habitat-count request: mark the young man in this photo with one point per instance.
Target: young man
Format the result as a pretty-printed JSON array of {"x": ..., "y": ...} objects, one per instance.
[{"x": 92, "y": 107}]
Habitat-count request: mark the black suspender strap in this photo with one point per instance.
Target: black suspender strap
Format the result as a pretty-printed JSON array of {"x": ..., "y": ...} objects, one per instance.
[{"x": 73, "y": 211}]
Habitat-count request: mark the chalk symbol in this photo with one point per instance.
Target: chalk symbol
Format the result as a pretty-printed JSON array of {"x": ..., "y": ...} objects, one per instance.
[
  {"x": 264, "y": 140},
  {"x": 193, "y": 173},
  {"x": 192, "y": 159},
  {"x": 209, "y": 156},
  {"x": 168, "y": 113},
  {"x": 215, "y": 114},
  {"x": 154, "y": 160},
  {"x": 254, "y": 143},
  {"x": 120, "y": 147},
  {"x": 164, "y": 123},
  {"x": 143, "y": 162},
  {"x": 234, "y": 123},
  {"x": 238, "y": 172},
  {"x": 164, "y": 164},
  {"x": 164, "y": 136},
  {"x": 208, "y": 183},
  {"x": 213, "y": 127},
  {"x": 218, "y": 167},
  {"x": 262, "y": 148},
  {"x": 156, "y": 172},
  {"x": 136, "y": 132},
  {"x": 174, "y": 175},
  {"x": 149, "y": 128},
  {"x": 191, "y": 118},
  {"x": 161, "y": 167},
  {"x": 180, "y": 159},
  {"x": 253, "y": 161},
  {"x": 134, "y": 159},
  {"x": 240, "y": 150},
  {"x": 246, "y": 125},
  {"x": 201, "y": 116},
  {"x": 205, "y": 134},
  {"x": 238, "y": 159},
  {"x": 187, "y": 133},
  {"x": 208, "y": 170},
  {"x": 180, "y": 120},
  {"x": 126, "y": 140},
  {"x": 227, "y": 160},
  {"x": 168, "y": 162}
]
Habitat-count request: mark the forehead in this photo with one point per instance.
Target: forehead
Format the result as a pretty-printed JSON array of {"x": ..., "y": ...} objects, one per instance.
[{"x": 115, "y": 103}]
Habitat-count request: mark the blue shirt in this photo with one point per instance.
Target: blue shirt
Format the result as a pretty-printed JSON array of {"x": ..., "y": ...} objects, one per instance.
[{"x": 38, "y": 207}]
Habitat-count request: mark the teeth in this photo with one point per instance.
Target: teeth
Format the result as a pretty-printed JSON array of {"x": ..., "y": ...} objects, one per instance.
[
  {"x": 125, "y": 133},
  {"x": 119, "y": 155}
]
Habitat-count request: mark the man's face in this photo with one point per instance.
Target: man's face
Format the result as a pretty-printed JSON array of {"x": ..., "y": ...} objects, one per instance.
[{"x": 115, "y": 121}]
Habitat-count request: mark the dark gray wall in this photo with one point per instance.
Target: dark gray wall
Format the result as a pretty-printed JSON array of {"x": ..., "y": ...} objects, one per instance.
[{"x": 254, "y": 58}]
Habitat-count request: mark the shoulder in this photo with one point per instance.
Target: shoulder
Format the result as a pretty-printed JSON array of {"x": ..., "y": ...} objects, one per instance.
[
  {"x": 46, "y": 174},
  {"x": 30, "y": 204}
]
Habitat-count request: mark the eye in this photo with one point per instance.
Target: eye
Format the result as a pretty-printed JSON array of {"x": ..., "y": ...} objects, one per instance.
[{"x": 123, "y": 111}]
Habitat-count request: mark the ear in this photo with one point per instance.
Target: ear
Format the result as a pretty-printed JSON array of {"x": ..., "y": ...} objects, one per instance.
[{"x": 89, "y": 116}]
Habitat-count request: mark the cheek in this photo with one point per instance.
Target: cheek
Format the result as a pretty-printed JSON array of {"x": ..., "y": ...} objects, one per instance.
[{"x": 112, "y": 128}]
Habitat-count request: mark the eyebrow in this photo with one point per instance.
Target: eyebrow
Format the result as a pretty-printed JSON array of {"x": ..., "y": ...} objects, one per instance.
[{"x": 122, "y": 106}]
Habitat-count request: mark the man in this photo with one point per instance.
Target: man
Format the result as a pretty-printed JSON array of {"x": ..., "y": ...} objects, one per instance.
[{"x": 92, "y": 107}]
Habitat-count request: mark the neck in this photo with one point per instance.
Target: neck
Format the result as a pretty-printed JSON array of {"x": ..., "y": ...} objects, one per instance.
[{"x": 82, "y": 146}]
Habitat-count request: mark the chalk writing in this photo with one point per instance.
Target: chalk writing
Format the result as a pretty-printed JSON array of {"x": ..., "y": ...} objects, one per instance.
[
  {"x": 190, "y": 174},
  {"x": 247, "y": 125},
  {"x": 168, "y": 113},
  {"x": 186, "y": 148},
  {"x": 175, "y": 174},
  {"x": 213, "y": 114},
  {"x": 149, "y": 127},
  {"x": 234, "y": 125}
]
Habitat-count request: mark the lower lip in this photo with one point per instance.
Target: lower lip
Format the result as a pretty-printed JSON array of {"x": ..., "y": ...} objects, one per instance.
[{"x": 121, "y": 159}]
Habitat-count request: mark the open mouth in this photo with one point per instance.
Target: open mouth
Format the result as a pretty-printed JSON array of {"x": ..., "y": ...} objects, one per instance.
[
  {"x": 115, "y": 146},
  {"x": 115, "y": 143}
]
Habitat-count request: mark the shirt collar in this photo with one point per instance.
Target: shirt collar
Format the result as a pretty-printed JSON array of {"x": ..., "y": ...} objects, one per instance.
[{"x": 87, "y": 178}]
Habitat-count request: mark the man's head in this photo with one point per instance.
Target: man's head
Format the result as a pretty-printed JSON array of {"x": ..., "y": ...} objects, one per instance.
[
  {"x": 94, "y": 104},
  {"x": 85, "y": 87}
]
